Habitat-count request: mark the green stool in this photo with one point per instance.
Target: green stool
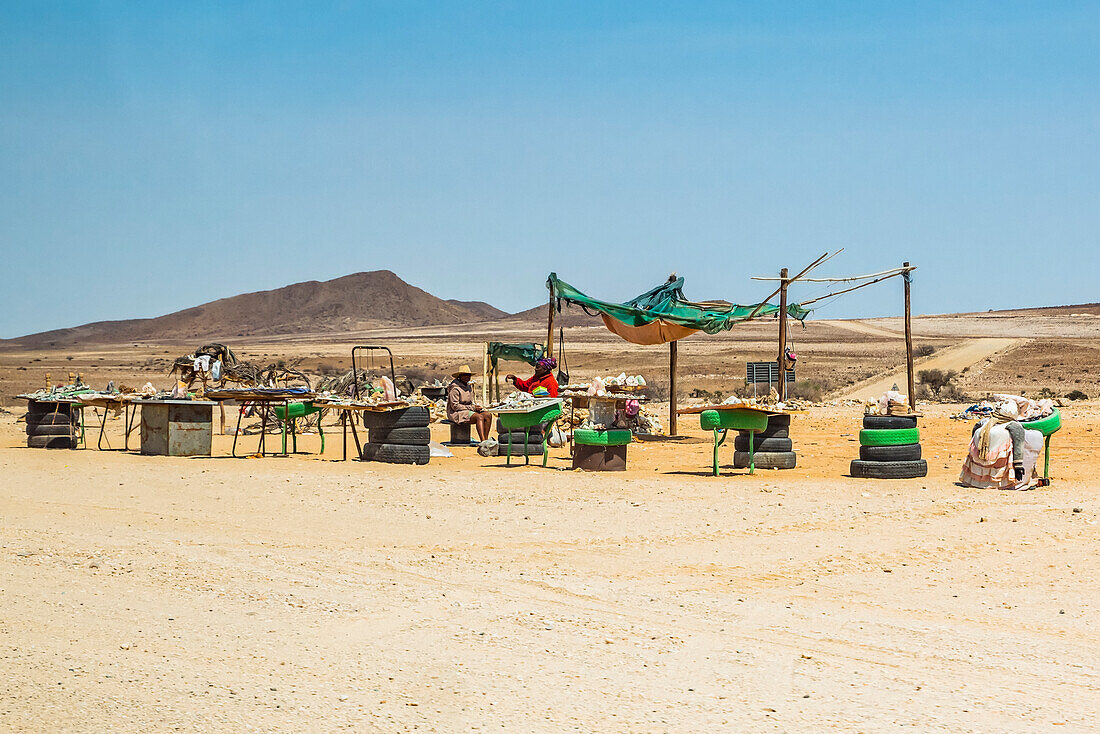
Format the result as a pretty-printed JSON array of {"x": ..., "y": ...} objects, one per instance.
[
  {"x": 736, "y": 419},
  {"x": 294, "y": 411}
]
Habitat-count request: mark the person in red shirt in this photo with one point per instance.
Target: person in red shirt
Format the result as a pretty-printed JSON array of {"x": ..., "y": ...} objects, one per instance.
[{"x": 543, "y": 377}]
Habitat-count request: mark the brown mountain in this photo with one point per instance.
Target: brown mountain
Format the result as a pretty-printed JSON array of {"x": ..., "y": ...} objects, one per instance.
[{"x": 360, "y": 301}]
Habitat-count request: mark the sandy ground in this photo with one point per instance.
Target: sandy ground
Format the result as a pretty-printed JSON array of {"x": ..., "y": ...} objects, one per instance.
[{"x": 303, "y": 594}]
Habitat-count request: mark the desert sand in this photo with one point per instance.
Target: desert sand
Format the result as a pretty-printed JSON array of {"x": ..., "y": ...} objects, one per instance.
[{"x": 306, "y": 594}]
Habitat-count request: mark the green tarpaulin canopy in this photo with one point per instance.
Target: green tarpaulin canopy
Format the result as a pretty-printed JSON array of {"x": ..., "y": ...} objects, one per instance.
[
  {"x": 663, "y": 314},
  {"x": 529, "y": 353}
]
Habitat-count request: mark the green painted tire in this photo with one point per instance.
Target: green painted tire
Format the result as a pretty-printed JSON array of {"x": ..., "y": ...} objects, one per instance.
[
  {"x": 888, "y": 436},
  {"x": 613, "y": 437},
  {"x": 711, "y": 420},
  {"x": 1045, "y": 426}
]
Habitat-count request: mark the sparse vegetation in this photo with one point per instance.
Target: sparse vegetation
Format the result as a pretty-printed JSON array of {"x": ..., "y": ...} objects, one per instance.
[
  {"x": 1076, "y": 395},
  {"x": 925, "y": 350},
  {"x": 811, "y": 390},
  {"x": 937, "y": 384},
  {"x": 1046, "y": 392}
]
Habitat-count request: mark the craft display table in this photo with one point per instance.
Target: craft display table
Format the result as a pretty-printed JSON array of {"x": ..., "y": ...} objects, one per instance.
[
  {"x": 722, "y": 418},
  {"x": 126, "y": 404},
  {"x": 176, "y": 427},
  {"x": 266, "y": 400},
  {"x": 526, "y": 418},
  {"x": 348, "y": 412},
  {"x": 615, "y": 402}
]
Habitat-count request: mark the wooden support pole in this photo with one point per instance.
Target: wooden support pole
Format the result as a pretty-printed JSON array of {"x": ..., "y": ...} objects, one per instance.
[
  {"x": 783, "y": 334},
  {"x": 909, "y": 345},
  {"x": 485, "y": 375},
  {"x": 672, "y": 388},
  {"x": 549, "y": 351}
]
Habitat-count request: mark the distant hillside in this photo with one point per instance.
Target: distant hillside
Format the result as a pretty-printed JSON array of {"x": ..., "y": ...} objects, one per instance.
[
  {"x": 569, "y": 316},
  {"x": 353, "y": 302}
]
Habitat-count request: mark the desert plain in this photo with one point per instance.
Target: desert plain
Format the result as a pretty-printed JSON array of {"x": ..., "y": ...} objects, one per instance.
[{"x": 309, "y": 594}]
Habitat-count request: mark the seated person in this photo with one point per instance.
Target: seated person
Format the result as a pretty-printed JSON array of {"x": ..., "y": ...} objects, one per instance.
[
  {"x": 461, "y": 407},
  {"x": 1003, "y": 454},
  {"x": 543, "y": 377}
]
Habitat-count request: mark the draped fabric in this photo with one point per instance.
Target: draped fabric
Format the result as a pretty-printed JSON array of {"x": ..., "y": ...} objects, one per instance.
[
  {"x": 663, "y": 314},
  {"x": 529, "y": 353}
]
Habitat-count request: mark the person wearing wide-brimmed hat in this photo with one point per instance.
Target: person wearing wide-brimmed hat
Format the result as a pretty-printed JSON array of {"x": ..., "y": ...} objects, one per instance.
[{"x": 461, "y": 407}]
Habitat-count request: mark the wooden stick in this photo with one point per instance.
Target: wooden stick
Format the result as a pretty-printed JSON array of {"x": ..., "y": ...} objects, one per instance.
[
  {"x": 909, "y": 346},
  {"x": 485, "y": 375},
  {"x": 672, "y": 387},
  {"x": 855, "y": 287},
  {"x": 805, "y": 270},
  {"x": 782, "y": 334},
  {"x": 549, "y": 351}
]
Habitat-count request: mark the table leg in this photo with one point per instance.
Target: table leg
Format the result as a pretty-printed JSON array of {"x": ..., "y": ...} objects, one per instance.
[
  {"x": 1046, "y": 458},
  {"x": 355, "y": 435},
  {"x": 527, "y": 446},
  {"x": 102, "y": 428},
  {"x": 752, "y": 459},
  {"x": 133, "y": 410},
  {"x": 717, "y": 443},
  {"x": 237, "y": 432},
  {"x": 286, "y": 421},
  {"x": 344, "y": 426}
]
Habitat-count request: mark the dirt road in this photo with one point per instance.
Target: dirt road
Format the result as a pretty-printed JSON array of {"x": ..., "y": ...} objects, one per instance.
[
  {"x": 955, "y": 358},
  {"x": 296, "y": 595}
]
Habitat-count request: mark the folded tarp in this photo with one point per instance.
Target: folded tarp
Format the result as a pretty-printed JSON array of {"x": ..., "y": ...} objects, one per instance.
[{"x": 663, "y": 314}]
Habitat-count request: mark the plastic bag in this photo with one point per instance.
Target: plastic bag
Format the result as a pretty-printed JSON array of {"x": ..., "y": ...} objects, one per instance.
[{"x": 557, "y": 437}]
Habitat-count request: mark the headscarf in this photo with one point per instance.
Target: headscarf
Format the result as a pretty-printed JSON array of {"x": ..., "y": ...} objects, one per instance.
[
  {"x": 1006, "y": 412},
  {"x": 547, "y": 362}
]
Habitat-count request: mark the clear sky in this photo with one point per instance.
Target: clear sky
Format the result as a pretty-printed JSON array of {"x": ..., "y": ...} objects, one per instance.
[{"x": 154, "y": 156}]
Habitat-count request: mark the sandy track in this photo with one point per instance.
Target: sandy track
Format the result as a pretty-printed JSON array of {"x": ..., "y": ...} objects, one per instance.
[
  {"x": 141, "y": 593},
  {"x": 955, "y": 358}
]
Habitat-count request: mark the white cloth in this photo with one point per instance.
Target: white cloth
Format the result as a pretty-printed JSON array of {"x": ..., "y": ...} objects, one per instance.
[{"x": 202, "y": 363}]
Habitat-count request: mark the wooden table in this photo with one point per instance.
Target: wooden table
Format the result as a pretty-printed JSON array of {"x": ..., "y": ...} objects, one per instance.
[
  {"x": 347, "y": 411},
  {"x": 265, "y": 400},
  {"x": 124, "y": 403},
  {"x": 584, "y": 401}
]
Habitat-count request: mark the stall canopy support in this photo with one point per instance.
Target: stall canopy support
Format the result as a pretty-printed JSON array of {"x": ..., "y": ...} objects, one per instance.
[
  {"x": 909, "y": 342},
  {"x": 783, "y": 334},
  {"x": 672, "y": 350},
  {"x": 550, "y": 325}
]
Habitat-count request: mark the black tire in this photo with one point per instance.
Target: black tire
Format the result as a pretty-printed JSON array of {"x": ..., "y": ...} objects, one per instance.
[
  {"x": 415, "y": 417},
  {"x": 502, "y": 430},
  {"x": 905, "y": 452},
  {"x": 779, "y": 421},
  {"x": 518, "y": 436},
  {"x": 400, "y": 436},
  {"x": 741, "y": 443},
  {"x": 519, "y": 449},
  {"x": 765, "y": 460},
  {"x": 51, "y": 419},
  {"x": 889, "y": 421},
  {"x": 889, "y": 469},
  {"x": 51, "y": 442},
  {"x": 38, "y": 429},
  {"x": 391, "y": 453}
]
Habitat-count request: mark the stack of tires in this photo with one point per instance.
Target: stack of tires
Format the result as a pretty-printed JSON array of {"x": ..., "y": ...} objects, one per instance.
[
  {"x": 52, "y": 425},
  {"x": 772, "y": 447},
  {"x": 398, "y": 436},
  {"x": 889, "y": 448},
  {"x": 522, "y": 444}
]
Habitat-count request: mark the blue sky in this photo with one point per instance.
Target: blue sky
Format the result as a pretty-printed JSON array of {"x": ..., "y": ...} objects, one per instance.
[{"x": 154, "y": 156}]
